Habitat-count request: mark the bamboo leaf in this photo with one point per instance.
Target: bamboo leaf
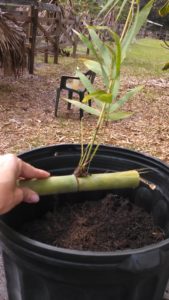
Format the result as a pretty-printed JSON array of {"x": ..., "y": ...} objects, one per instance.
[
  {"x": 116, "y": 87},
  {"x": 110, "y": 3},
  {"x": 118, "y": 53},
  {"x": 116, "y": 84},
  {"x": 85, "y": 81},
  {"x": 90, "y": 45},
  {"x": 105, "y": 98},
  {"x": 90, "y": 110},
  {"x": 101, "y": 46},
  {"x": 95, "y": 38},
  {"x": 99, "y": 95},
  {"x": 103, "y": 51},
  {"x": 93, "y": 95},
  {"x": 93, "y": 66},
  {"x": 87, "y": 42},
  {"x": 115, "y": 58},
  {"x": 118, "y": 115},
  {"x": 110, "y": 48},
  {"x": 140, "y": 19},
  {"x": 124, "y": 99},
  {"x": 121, "y": 9}
]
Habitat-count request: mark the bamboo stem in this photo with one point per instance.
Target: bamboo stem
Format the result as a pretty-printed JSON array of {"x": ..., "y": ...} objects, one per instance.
[
  {"x": 127, "y": 21},
  {"x": 70, "y": 184},
  {"x": 87, "y": 155}
]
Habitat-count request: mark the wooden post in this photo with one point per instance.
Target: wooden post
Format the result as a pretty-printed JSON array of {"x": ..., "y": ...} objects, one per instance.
[
  {"x": 75, "y": 38},
  {"x": 75, "y": 44},
  {"x": 32, "y": 38},
  {"x": 46, "y": 52},
  {"x": 57, "y": 33},
  {"x": 56, "y": 51}
]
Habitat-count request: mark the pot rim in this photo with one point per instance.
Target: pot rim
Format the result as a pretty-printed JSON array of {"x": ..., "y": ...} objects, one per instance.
[
  {"x": 101, "y": 147},
  {"x": 39, "y": 247}
]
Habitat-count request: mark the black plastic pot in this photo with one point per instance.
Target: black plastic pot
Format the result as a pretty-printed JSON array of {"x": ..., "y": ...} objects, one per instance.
[{"x": 36, "y": 271}]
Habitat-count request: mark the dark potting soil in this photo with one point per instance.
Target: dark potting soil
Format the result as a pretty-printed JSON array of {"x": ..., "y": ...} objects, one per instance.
[{"x": 113, "y": 223}]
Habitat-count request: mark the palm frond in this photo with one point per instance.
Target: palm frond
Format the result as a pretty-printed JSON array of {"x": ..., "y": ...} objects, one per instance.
[{"x": 12, "y": 45}]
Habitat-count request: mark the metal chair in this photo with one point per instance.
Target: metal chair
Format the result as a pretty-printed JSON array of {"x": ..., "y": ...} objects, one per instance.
[{"x": 72, "y": 87}]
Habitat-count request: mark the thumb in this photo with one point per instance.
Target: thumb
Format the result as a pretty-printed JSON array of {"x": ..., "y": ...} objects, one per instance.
[{"x": 26, "y": 195}]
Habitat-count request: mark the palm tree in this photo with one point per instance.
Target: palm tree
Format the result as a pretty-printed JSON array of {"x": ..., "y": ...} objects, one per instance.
[{"x": 12, "y": 45}]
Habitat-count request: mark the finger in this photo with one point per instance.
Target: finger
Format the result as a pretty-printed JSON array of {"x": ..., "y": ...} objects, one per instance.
[
  {"x": 26, "y": 195},
  {"x": 28, "y": 171},
  {"x": 20, "y": 195}
]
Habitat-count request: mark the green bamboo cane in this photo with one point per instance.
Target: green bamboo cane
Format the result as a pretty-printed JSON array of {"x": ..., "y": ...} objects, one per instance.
[{"x": 70, "y": 183}]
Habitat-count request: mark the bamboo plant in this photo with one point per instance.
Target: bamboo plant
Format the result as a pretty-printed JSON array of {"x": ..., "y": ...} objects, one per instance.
[{"x": 107, "y": 63}]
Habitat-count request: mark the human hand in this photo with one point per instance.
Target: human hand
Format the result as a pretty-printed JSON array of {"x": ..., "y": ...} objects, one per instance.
[{"x": 13, "y": 168}]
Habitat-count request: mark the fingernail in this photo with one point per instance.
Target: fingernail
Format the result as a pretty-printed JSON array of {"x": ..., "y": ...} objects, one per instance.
[{"x": 34, "y": 198}]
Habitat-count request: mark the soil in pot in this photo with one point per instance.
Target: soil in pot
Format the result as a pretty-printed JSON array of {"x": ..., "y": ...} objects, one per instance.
[{"x": 108, "y": 224}]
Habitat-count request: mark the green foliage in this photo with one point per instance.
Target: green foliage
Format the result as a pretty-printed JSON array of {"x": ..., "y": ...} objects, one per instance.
[
  {"x": 85, "y": 107},
  {"x": 119, "y": 115},
  {"x": 164, "y": 10},
  {"x": 101, "y": 95},
  {"x": 139, "y": 21},
  {"x": 107, "y": 63}
]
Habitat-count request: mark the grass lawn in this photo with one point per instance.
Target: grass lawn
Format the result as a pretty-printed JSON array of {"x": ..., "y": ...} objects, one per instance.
[
  {"x": 27, "y": 105},
  {"x": 147, "y": 57}
]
